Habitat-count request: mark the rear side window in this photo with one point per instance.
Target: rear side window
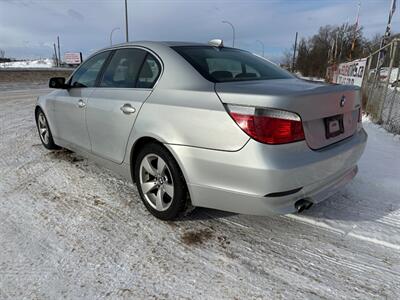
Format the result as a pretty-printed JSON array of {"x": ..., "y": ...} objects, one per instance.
[
  {"x": 123, "y": 69},
  {"x": 149, "y": 73},
  {"x": 87, "y": 73},
  {"x": 228, "y": 64}
]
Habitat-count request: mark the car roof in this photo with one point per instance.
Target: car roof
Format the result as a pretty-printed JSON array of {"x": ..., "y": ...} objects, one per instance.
[
  {"x": 148, "y": 44},
  {"x": 164, "y": 43}
]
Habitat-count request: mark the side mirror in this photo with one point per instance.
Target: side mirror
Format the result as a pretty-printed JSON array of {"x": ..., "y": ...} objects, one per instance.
[{"x": 57, "y": 83}]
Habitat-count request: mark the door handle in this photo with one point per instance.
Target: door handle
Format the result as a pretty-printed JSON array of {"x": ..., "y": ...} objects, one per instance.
[
  {"x": 81, "y": 103},
  {"x": 127, "y": 109}
]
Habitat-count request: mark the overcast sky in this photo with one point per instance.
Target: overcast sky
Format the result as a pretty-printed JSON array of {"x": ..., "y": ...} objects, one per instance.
[{"x": 28, "y": 28}]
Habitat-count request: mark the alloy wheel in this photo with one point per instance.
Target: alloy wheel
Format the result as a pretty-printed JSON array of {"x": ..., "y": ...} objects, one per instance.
[
  {"x": 156, "y": 182},
  {"x": 43, "y": 128}
]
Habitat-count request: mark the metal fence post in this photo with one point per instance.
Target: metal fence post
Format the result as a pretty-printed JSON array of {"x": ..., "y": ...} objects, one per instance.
[
  {"x": 375, "y": 80},
  {"x": 365, "y": 83},
  {"x": 395, "y": 88},
  {"x": 379, "y": 92},
  {"x": 382, "y": 103}
]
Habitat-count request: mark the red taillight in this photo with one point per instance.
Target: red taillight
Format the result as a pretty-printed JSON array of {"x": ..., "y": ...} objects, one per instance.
[{"x": 268, "y": 126}]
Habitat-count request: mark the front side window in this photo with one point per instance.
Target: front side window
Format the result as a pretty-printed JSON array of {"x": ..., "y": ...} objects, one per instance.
[
  {"x": 87, "y": 73},
  {"x": 229, "y": 64},
  {"x": 123, "y": 69}
]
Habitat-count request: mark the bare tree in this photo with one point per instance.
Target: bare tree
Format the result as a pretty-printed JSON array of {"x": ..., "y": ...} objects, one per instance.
[
  {"x": 331, "y": 45},
  {"x": 2, "y": 53},
  {"x": 286, "y": 59}
]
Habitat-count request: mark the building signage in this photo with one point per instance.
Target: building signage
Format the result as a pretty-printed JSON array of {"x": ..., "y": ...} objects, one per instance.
[
  {"x": 73, "y": 58},
  {"x": 351, "y": 73}
]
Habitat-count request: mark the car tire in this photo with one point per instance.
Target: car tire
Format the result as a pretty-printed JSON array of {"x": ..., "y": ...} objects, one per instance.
[
  {"x": 160, "y": 182},
  {"x": 44, "y": 131}
]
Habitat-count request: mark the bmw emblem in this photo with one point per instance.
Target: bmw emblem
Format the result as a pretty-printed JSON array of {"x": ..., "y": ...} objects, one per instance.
[{"x": 342, "y": 101}]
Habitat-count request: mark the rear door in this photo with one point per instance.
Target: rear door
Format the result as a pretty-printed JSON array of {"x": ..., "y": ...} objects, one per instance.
[
  {"x": 70, "y": 105},
  {"x": 126, "y": 83}
]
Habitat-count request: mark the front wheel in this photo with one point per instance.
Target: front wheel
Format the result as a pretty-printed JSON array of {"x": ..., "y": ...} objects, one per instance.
[
  {"x": 44, "y": 131},
  {"x": 160, "y": 182}
]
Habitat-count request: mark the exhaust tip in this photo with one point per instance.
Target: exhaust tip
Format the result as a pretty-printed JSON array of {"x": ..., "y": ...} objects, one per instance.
[{"x": 302, "y": 205}]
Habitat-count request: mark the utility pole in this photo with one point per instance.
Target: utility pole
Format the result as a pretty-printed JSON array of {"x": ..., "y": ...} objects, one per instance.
[
  {"x": 336, "y": 47},
  {"x": 342, "y": 38},
  {"x": 59, "y": 52},
  {"x": 294, "y": 53},
  {"x": 233, "y": 32},
  {"x": 353, "y": 44},
  {"x": 126, "y": 21},
  {"x": 55, "y": 54}
]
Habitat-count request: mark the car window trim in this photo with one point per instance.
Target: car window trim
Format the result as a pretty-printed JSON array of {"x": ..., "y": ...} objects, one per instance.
[
  {"x": 141, "y": 67},
  {"x": 140, "y": 70},
  {"x": 148, "y": 51},
  {"x": 103, "y": 68},
  {"x": 108, "y": 62}
]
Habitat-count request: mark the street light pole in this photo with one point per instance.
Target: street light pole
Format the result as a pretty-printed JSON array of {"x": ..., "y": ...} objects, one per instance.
[
  {"x": 59, "y": 52},
  {"x": 294, "y": 54},
  {"x": 233, "y": 32},
  {"x": 111, "y": 34},
  {"x": 262, "y": 44},
  {"x": 126, "y": 21}
]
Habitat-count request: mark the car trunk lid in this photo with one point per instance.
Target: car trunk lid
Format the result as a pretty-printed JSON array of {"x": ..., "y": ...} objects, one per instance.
[{"x": 329, "y": 113}]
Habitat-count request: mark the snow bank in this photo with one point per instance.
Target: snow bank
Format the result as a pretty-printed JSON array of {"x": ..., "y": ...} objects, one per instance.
[
  {"x": 310, "y": 78},
  {"x": 39, "y": 63}
]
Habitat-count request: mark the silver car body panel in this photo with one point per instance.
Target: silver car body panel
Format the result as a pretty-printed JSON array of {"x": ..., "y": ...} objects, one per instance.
[
  {"x": 68, "y": 118},
  {"x": 187, "y": 110},
  {"x": 223, "y": 167},
  {"x": 107, "y": 125},
  {"x": 258, "y": 170},
  {"x": 312, "y": 101}
]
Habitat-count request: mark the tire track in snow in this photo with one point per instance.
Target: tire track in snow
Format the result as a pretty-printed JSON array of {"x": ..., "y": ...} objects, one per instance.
[{"x": 344, "y": 233}]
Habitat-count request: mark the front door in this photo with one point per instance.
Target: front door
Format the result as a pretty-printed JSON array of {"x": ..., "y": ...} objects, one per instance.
[
  {"x": 70, "y": 105},
  {"x": 113, "y": 106}
]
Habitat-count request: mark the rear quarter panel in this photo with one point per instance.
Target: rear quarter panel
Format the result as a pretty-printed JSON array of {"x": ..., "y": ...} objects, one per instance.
[{"x": 192, "y": 118}]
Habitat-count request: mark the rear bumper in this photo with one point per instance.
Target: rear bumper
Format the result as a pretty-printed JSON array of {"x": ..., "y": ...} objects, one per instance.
[
  {"x": 256, "y": 205},
  {"x": 243, "y": 181}
]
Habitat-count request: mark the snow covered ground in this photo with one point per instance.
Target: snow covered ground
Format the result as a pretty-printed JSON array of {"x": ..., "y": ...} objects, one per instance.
[
  {"x": 313, "y": 79},
  {"x": 70, "y": 229},
  {"x": 318, "y": 79},
  {"x": 39, "y": 63}
]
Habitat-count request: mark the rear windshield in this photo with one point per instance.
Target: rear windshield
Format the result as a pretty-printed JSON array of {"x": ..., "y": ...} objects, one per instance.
[{"x": 228, "y": 64}]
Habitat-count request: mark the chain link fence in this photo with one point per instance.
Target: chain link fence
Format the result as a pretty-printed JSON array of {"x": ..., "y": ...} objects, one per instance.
[{"x": 381, "y": 87}]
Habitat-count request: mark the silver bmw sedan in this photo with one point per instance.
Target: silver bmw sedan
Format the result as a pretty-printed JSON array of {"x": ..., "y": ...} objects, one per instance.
[{"x": 206, "y": 125}]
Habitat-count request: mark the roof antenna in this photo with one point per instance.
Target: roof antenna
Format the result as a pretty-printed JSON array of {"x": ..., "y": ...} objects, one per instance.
[{"x": 216, "y": 43}]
